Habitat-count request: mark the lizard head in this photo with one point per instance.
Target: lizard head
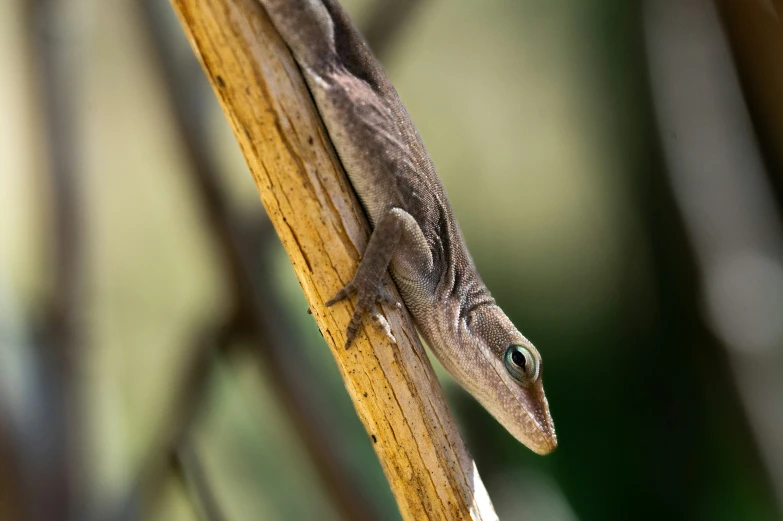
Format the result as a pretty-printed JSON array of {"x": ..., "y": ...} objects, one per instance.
[{"x": 502, "y": 370}]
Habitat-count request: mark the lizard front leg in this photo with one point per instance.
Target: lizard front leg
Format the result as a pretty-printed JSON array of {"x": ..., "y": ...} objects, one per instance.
[{"x": 397, "y": 233}]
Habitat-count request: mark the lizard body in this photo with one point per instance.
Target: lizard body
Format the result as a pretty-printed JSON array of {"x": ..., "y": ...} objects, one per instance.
[{"x": 415, "y": 234}]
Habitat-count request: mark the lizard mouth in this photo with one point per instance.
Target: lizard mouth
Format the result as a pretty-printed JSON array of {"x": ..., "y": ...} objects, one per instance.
[
  {"x": 524, "y": 412},
  {"x": 526, "y": 416},
  {"x": 548, "y": 440},
  {"x": 522, "y": 409}
]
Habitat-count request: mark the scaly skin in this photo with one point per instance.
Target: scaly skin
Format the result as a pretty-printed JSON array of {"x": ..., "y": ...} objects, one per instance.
[{"x": 415, "y": 234}]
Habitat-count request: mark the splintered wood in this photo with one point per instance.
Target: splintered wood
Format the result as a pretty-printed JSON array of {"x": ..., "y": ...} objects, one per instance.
[{"x": 324, "y": 231}]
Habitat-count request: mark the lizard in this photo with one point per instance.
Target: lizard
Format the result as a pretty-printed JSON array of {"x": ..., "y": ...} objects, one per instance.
[{"x": 415, "y": 234}]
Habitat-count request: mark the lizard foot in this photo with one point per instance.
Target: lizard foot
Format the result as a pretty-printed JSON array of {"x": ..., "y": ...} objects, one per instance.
[
  {"x": 366, "y": 304},
  {"x": 368, "y": 282}
]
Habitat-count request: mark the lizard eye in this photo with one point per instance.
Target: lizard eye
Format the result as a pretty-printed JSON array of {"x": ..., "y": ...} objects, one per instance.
[{"x": 521, "y": 364}]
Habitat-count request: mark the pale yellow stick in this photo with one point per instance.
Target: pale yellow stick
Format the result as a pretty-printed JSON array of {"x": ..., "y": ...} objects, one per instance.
[{"x": 323, "y": 229}]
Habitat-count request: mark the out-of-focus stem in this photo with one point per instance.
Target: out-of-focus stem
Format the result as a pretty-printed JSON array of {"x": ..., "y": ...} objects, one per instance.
[
  {"x": 722, "y": 190},
  {"x": 754, "y": 30},
  {"x": 192, "y": 471},
  {"x": 59, "y": 491},
  {"x": 185, "y": 406}
]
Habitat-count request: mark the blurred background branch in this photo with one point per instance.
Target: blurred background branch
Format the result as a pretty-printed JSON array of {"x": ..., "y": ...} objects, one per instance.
[
  {"x": 722, "y": 189},
  {"x": 192, "y": 472},
  {"x": 56, "y": 474},
  {"x": 185, "y": 408},
  {"x": 756, "y": 42}
]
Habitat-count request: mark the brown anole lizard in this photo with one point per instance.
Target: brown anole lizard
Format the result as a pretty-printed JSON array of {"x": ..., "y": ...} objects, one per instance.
[{"x": 415, "y": 234}]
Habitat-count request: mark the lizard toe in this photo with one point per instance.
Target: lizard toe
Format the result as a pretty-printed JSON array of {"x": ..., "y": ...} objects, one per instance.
[
  {"x": 386, "y": 296},
  {"x": 353, "y": 327},
  {"x": 380, "y": 322},
  {"x": 348, "y": 290}
]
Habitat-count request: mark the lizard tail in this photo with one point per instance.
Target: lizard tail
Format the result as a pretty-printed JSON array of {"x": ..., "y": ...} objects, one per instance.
[{"x": 300, "y": 23}]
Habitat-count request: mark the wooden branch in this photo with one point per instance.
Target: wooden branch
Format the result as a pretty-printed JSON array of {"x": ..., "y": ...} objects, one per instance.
[
  {"x": 257, "y": 303},
  {"x": 324, "y": 231}
]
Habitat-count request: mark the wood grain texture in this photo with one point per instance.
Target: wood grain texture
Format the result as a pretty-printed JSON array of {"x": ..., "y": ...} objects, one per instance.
[{"x": 324, "y": 230}]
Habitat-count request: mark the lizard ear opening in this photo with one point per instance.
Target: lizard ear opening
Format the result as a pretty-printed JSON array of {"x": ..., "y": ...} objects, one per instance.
[{"x": 522, "y": 364}]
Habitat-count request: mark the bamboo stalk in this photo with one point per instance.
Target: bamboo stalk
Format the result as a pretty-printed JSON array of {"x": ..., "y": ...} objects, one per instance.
[{"x": 324, "y": 231}]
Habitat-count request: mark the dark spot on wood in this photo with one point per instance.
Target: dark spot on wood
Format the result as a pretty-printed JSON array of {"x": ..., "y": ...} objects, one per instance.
[
  {"x": 310, "y": 140},
  {"x": 220, "y": 82},
  {"x": 374, "y": 439},
  {"x": 365, "y": 395}
]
